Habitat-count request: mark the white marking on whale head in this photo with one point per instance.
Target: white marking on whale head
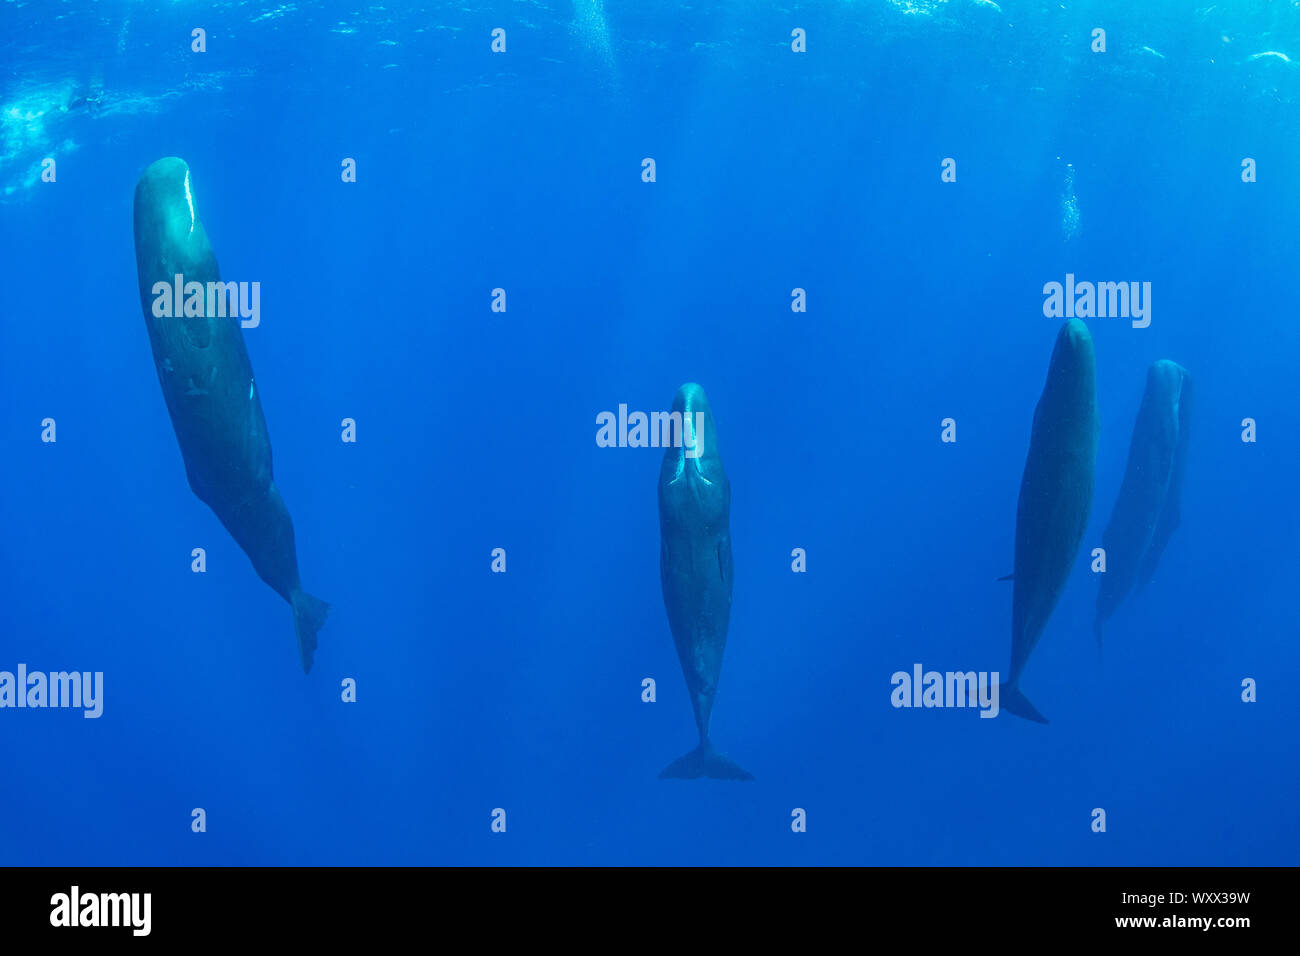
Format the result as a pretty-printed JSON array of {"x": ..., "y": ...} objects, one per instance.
[
  {"x": 692, "y": 440},
  {"x": 681, "y": 470},
  {"x": 189, "y": 198}
]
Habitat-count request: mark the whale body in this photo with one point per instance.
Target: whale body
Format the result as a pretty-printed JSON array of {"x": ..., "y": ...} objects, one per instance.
[
  {"x": 208, "y": 386},
  {"x": 1147, "y": 510},
  {"x": 695, "y": 571},
  {"x": 1055, "y": 500}
]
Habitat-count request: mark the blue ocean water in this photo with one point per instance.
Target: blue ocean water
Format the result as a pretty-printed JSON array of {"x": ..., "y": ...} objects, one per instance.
[{"x": 522, "y": 170}]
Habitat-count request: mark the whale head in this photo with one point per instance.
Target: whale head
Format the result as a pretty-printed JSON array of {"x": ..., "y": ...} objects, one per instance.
[
  {"x": 170, "y": 241},
  {"x": 165, "y": 193},
  {"x": 695, "y": 458},
  {"x": 1070, "y": 394},
  {"x": 1073, "y": 352},
  {"x": 1170, "y": 379},
  {"x": 693, "y": 485}
]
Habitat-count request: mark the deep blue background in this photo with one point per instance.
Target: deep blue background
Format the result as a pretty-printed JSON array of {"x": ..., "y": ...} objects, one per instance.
[{"x": 476, "y": 429}]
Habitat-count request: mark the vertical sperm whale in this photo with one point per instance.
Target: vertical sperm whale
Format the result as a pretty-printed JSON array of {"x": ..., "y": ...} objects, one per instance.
[
  {"x": 207, "y": 384},
  {"x": 1055, "y": 499},
  {"x": 1148, "y": 507},
  {"x": 696, "y": 572}
]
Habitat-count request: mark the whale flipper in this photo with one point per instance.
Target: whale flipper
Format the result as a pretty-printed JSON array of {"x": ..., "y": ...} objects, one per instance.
[
  {"x": 704, "y": 761},
  {"x": 309, "y": 615},
  {"x": 1011, "y": 699}
]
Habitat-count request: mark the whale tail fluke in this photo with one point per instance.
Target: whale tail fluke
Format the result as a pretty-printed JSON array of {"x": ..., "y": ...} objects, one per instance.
[
  {"x": 309, "y": 615},
  {"x": 704, "y": 761},
  {"x": 1010, "y": 698}
]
